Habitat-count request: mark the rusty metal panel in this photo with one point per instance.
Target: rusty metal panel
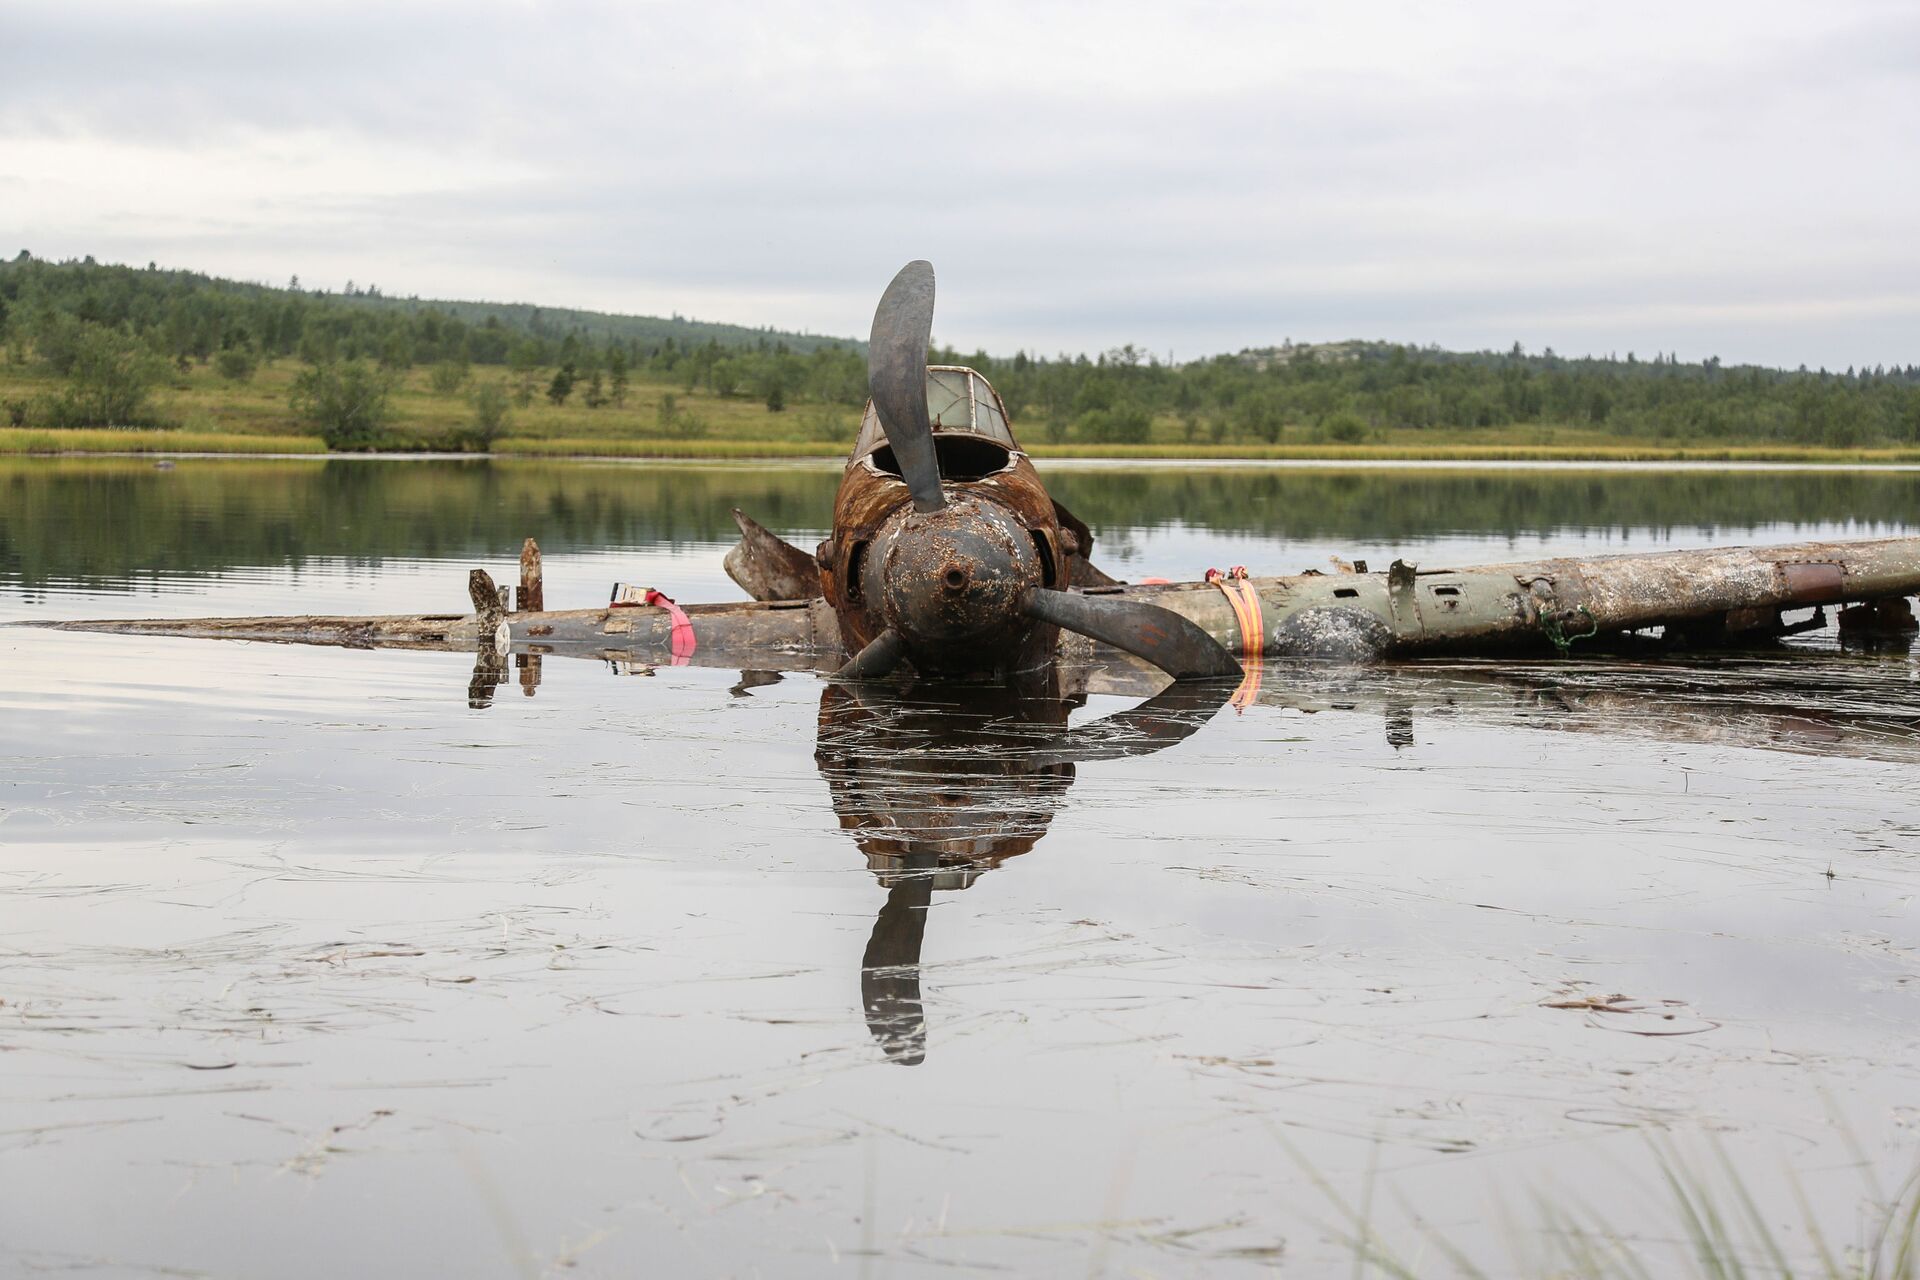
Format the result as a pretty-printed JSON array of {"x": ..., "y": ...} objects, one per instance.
[
  {"x": 1812, "y": 582},
  {"x": 767, "y": 567},
  {"x": 1405, "y": 606},
  {"x": 533, "y": 592}
]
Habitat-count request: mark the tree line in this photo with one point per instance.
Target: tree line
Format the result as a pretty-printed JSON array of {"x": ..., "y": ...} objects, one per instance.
[{"x": 114, "y": 332}]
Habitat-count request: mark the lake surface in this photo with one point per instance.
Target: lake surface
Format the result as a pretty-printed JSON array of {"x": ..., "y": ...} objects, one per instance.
[{"x": 312, "y": 968}]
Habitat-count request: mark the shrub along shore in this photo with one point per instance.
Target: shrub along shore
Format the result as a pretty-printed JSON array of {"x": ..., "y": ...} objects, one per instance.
[
  {"x": 464, "y": 409},
  {"x": 199, "y": 409}
]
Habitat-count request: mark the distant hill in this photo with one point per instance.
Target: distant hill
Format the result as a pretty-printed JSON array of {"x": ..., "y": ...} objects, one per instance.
[
  {"x": 202, "y": 313},
  {"x": 604, "y": 326},
  {"x": 1356, "y": 351},
  {"x": 117, "y": 293}
]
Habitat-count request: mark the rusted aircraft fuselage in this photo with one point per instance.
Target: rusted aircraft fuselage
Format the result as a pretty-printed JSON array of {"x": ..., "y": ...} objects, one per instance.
[{"x": 994, "y": 495}]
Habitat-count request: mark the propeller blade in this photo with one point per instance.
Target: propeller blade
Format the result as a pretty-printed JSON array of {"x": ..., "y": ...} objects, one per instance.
[
  {"x": 880, "y": 656},
  {"x": 897, "y": 377},
  {"x": 1170, "y": 642}
]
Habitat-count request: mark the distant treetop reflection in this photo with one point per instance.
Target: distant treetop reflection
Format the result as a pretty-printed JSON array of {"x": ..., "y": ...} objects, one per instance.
[{"x": 112, "y": 522}]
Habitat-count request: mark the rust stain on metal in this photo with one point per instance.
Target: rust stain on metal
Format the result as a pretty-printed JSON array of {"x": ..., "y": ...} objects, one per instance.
[
  {"x": 769, "y": 568},
  {"x": 533, "y": 592},
  {"x": 485, "y": 597},
  {"x": 1813, "y": 581}
]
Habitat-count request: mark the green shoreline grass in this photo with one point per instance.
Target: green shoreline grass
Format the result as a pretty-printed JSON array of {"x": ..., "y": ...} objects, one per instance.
[
  {"x": 212, "y": 415},
  {"x": 30, "y": 441}
]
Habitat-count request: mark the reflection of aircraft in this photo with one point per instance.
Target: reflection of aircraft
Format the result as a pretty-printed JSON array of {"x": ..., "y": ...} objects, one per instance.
[
  {"x": 938, "y": 785},
  {"x": 1864, "y": 704}
]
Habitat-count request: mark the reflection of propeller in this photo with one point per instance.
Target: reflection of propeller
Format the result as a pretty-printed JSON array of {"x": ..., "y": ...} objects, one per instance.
[
  {"x": 1173, "y": 715},
  {"x": 890, "y": 969},
  {"x": 942, "y": 784},
  {"x": 897, "y": 377}
]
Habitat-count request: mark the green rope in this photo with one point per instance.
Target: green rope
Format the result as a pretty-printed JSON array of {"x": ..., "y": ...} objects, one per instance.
[{"x": 1551, "y": 628}]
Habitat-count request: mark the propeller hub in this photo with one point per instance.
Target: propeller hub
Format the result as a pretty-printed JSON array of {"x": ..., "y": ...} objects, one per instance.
[{"x": 956, "y": 574}]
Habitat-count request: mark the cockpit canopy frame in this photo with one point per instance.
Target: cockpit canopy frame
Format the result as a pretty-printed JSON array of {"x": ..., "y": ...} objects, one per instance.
[{"x": 960, "y": 401}]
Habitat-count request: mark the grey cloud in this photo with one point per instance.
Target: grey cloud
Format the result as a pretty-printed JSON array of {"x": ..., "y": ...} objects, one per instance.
[{"x": 1686, "y": 193}]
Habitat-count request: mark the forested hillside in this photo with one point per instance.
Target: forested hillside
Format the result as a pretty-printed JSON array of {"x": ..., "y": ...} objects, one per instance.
[{"x": 98, "y": 345}]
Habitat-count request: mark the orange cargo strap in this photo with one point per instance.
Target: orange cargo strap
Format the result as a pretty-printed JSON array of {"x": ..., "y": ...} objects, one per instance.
[{"x": 1245, "y": 603}]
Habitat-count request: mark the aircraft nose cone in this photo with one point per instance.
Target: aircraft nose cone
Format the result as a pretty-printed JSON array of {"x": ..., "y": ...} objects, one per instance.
[{"x": 958, "y": 573}]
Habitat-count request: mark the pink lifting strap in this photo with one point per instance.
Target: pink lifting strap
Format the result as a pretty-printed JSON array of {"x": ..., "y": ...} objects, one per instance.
[{"x": 682, "y": 640}]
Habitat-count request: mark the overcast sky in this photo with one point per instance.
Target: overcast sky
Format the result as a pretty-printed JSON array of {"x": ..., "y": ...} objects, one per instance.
[{"x": 1735, "y": 179}]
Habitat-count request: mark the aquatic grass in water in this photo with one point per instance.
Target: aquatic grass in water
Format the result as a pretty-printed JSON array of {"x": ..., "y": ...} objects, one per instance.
[{"x": 1706, "y": 1222}]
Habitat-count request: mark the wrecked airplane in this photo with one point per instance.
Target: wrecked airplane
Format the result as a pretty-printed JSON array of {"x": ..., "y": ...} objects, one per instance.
[{"x": 948, "y": 558}]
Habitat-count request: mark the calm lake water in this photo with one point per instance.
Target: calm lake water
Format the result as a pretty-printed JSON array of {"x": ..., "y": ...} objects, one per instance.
[{"x": 310, "y": 968}]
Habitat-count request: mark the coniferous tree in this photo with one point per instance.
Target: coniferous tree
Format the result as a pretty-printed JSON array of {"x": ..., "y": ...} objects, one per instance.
[{"x": 562, "y": 385}]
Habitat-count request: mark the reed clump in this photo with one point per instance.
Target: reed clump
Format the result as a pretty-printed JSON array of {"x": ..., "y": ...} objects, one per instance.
[{"x": 1707, "y": 1223}]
